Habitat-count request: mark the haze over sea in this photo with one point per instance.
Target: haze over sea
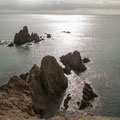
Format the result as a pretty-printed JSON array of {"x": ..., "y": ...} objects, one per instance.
[{"x": 94, "y": 36}]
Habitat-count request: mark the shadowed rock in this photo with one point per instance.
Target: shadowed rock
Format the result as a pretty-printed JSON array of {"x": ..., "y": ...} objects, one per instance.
[
  {"x": 11, "y": 44},
  {"x": 23, "y": 37},
  {"x": 86, "y": 60},
  {"x": 24, "y": 76},
  {"x": 48, "y": 35},
  {"x": 67, "y": 70},
  {"x": 66, "y": 32},
  {"x": 74, "y": 61},
  {"x": 43, "y": 89},
  {"x": 88, "y": 95},
  {"x": 66, "y": 101}
]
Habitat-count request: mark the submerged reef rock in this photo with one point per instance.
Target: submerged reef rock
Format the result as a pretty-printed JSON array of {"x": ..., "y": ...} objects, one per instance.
[
  {"x": 23, "y": 37},
  {"x": 88, "y": 95},
  {"x": 66, "y": 32},
  {"x": 48, "y": 35},
  {"x": 86, "y": 60},
  {"x": 74, "y": 61},
  {"x": 42, "y": 89},
  {"x": 11, "y": 44}
]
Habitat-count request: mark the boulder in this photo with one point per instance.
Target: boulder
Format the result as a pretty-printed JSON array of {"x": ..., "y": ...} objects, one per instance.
[
  {"x": 74, "y": 61},
  {"x": 86, "y": 60},
  {"x": 11, "y": 44}
]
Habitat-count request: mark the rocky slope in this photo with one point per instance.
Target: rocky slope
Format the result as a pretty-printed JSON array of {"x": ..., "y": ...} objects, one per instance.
[{"x": 41, "y": 88}]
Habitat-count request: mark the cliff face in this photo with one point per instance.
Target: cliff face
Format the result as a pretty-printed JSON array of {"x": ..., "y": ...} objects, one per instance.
[{"x": 33, "y": 95}]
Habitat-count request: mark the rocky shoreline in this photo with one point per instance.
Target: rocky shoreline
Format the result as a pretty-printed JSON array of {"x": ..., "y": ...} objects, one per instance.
[
  {"x": 35, "y": 92},
  {"x": 31, "y": 94}
]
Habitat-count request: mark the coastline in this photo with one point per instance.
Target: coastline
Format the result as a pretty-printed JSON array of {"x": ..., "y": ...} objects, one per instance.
[{"x": 23, "y": 116}]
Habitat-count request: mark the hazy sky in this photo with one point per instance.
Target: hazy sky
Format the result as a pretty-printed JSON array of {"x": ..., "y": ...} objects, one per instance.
[{"x": 61, "y": 6}]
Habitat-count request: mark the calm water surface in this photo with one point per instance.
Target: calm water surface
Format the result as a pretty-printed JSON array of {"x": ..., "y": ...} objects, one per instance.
[{"x": 96, "y": 37}]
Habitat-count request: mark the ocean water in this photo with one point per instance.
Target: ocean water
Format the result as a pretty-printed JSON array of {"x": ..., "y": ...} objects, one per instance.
[{"x": 95, "y": 36}]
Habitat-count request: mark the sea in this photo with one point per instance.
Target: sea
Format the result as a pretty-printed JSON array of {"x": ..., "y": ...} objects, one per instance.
[{"x": 96, "y": 37}]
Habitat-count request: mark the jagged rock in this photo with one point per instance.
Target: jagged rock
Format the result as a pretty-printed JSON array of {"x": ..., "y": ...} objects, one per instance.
[
  {"x": 24, "y": 76},
  {"x": 86, "y": 60},
  {"x": 84, "y": 104},
  {"x": 74, "y": 61},
  {"x": 35, "y": 37},
  {"x": 88, "y": 92},
  {"x": 16, "y": 95},
  {"x": 88, "y": 95},
  {"x": 11, "y": 44},
  {"x": 67, "y": 70},
  {"x": 49, "y": 80},
  {"x": 43, "y": 88},
  {"x": 48, "y": 35},
  {"x": 66, "y": 101},
  {"x": 22, "y": 37}
]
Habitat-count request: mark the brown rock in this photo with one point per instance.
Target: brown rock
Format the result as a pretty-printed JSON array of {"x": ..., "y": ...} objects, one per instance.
[
  {"x": 88, "y": 95},
  {"x": 24, "y": 76},
  {"x": 47, "y": 83},
  {"x": 22, "y": 37},
  {"x": 74, "y": 61}
]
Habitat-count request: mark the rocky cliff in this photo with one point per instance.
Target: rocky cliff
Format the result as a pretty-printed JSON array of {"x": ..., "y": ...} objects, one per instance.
[{"x": 41, "y": 88}]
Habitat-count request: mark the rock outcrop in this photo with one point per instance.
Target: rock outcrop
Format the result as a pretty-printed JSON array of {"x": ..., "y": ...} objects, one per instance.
[
  {"x": 88, "y": 95},
  {"x": 49, "y": 80},
  {"x": 16, "y": 95},
  {"x": 34, "y": 92},
  {"x": 48, "y": 35},
  {"x": 66, "y": 101},
  {"x": 86, "y": 60},
  {"x": 23, "y": 37},
  {"x": 74, "y": 61},
  {"x": 66, "y": 32},
  {"x": 11, "y": 44}
]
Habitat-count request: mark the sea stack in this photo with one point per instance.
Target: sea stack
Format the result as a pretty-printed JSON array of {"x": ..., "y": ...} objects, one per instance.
[
  {"x": 74, "y": 61},
  {"x": 23, "y": 37}
]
